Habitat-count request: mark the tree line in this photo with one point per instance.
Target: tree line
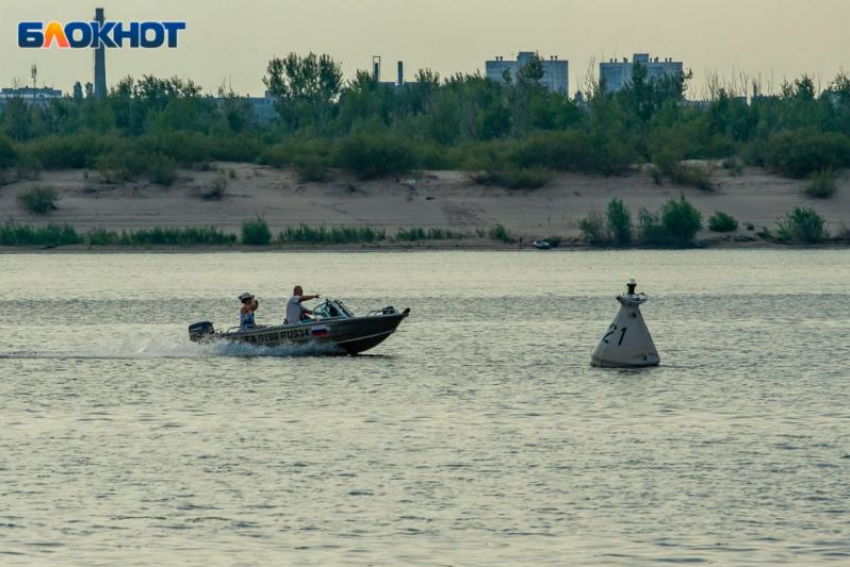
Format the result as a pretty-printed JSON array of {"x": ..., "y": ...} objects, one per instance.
[{"x": 516, "y": 132}]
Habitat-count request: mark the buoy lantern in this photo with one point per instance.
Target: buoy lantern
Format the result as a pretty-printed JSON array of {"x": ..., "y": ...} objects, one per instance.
[{"x": 627, "y": 342}]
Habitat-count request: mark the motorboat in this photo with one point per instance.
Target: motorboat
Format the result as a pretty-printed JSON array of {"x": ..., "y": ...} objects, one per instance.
[
  {"x": 542, "y": 244},
  {"x": 333, "y": 328}
]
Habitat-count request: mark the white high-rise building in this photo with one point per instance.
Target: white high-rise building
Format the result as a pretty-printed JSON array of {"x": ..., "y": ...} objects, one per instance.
[
  {"x": 556, "y": 72},
  {"x": 617, "y": 74}
]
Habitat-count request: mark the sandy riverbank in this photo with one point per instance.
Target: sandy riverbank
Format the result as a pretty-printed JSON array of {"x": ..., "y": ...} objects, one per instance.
[{"x": 445, "y": 199}]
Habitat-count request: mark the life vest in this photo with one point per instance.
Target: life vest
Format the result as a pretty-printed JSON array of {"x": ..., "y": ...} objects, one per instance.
[{"x": 246, "y": 320}]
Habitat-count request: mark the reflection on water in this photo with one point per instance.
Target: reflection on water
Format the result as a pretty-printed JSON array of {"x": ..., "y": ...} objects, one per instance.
[{"x": 478, "y": 434}]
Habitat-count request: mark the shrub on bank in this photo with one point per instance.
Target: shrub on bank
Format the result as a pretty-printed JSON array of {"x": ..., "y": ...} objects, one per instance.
[
  {"x": 8, "y": 156},
  {"x": 692, "y": 176},
  {"x": 256, "y": 232},
  {"x": 39, "y": 200},
  {"x": 593, "y": 229},
  {"x": 13, "y": 234},
  {"x": 419, "y": 233},
  {"x": 722, "y": 222},
  {"x": 514, "y": 178},
  {"x": 676, "y": 224},
  {"x": 619, "y": 222},
  {"x": 173, "y": 237},
  {"x": 500, "y": 233},
  {"x": 163, "y": 170},
  {"x": 800, "y": 153},
  {"x": 822, "y": 185},
  {"x": 334, "y": 235},
  {"x": 375, "y": 154},
  {"x": 803, "y": 224},
  {"x": 217, "y": 188}
]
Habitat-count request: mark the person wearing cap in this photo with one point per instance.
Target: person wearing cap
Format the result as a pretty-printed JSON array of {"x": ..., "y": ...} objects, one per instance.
[
  {"x": 246, "y": 314},
  {"x": 295, "y": 312}
]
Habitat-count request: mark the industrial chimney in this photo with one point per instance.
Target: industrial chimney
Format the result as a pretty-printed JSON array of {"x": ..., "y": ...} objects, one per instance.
[
  {"x": 99, "y": 62},
  {"x": 401, "y": 73},
  {"x": 376, "y": 68}
]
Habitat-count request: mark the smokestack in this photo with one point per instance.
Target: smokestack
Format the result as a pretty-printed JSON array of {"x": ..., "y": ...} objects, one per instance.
[
  {"x": 400, "y": 73},
  {"x": 99, "y": 62},
  {"x": 376, "y": 68}
]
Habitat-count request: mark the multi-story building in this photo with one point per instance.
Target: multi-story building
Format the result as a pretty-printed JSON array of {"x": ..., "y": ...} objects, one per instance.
[
  {"x": 29, "y": 95},
  {"x": 615, "y": 75},
  {"x": 556, "y": 72}
]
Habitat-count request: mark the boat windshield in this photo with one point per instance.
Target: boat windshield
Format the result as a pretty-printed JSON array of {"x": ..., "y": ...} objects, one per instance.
[{"x": 332, "y": 309}]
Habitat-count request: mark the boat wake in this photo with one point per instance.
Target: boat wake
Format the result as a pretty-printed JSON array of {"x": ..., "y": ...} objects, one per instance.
[{"x": 173, "y": 348}]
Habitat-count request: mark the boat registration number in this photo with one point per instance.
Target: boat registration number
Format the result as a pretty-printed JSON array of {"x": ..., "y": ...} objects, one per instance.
[{"x": 278, "y": 336}]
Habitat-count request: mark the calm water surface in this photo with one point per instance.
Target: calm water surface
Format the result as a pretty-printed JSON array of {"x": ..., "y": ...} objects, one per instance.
[{"x": 477, "y": 435}]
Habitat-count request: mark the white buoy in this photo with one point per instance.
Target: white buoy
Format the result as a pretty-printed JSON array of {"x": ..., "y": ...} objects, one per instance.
[{"x": 627, "y": 342}]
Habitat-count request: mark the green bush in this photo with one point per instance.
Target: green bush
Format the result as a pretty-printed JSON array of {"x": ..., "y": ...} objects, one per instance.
[
  {"x": 217, "y": 188},
  {"x": 413, "y": 234},
  {"x": 721, "y": 222},
  {"x": 499, "y": 232},
  {"x": 371, "y": 155},
  {"x": 532, "y": 178},
  {"x": 734, "y": 166},
  {"x": 102, "y": 237},
  {"x": 822, "y": 185},
  {"x": 124, "y": 163},
  {"x": 593, "y": 229},
  {"x": 563, "y": 151},
  {"x": 74, "y": 151},
  {"x": 8, "y": 156},
  {"x": 163, "y": 170},
  {"x": 28, "y": 165},
  {"x": 651, "y": 230},
  {"x": 800, "y": 153},
  {"x": 13, "y": 234},
  {"x": 692, "y": 176},
  {"x": 312, "y": 170},
  {"x": 619, "y": 222},
  {"x": 165, "y": 237},
  {"x": 334, "y": 235},
  {"x": 39, "y": 200},
  {"x": 656, "y": 173},
  {"x": 681, "y": 220},
  {"x": 675, "y": 225},
  {"x": 803, "y": 224},
  {"x": 256, "y": 232}
]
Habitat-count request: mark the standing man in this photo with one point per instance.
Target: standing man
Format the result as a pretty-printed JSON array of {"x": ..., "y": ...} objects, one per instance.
[
  {"x": 294, "y": 310},
  {"x": 246, "y": 313}
]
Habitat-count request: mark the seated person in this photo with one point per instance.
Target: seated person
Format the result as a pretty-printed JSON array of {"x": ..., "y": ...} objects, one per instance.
[
  {"x": 295, "y": 312},
  {"x": 246, "y": 313}
]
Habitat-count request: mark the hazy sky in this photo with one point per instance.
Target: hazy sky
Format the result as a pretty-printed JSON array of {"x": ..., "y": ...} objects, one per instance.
[{"x": 232, "y": 40}]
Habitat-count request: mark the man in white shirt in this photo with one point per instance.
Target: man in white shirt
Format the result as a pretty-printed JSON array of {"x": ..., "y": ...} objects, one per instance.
[{"x": 294, "y": 310}]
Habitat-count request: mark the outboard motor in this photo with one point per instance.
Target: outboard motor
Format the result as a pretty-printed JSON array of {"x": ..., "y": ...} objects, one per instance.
[{"x": 199, "y": 331}]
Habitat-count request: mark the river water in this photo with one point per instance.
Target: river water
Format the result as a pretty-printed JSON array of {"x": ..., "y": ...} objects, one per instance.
[{"x": 477, "y": 435}]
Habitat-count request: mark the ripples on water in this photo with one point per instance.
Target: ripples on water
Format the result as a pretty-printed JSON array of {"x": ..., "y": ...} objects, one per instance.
[{"x": 478, "y": 434}]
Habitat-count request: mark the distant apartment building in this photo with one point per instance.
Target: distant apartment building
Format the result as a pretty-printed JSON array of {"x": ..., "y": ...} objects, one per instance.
[
  {"x": 617, "y": 74},
  {"x": 29, "y": 95},
  {"x": 555, "y": 71}
]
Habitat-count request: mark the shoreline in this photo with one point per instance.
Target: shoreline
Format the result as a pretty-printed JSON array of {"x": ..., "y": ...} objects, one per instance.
[
  {"x": 429, "y": 200},
  {"x": 367, "y": 248}
]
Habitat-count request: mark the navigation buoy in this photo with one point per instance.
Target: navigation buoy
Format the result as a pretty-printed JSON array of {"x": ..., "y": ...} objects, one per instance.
[{"x": 627, "y": 342}]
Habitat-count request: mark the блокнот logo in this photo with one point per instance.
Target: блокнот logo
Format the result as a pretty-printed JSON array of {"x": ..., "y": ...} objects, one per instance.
[{"x": 148, "y": 35}]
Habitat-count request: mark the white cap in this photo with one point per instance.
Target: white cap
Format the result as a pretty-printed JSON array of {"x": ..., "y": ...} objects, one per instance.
[{"x": 245, "y": 296}]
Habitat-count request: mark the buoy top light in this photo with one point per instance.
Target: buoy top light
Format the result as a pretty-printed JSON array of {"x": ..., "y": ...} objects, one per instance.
[{"x": 631, "y": 298}]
